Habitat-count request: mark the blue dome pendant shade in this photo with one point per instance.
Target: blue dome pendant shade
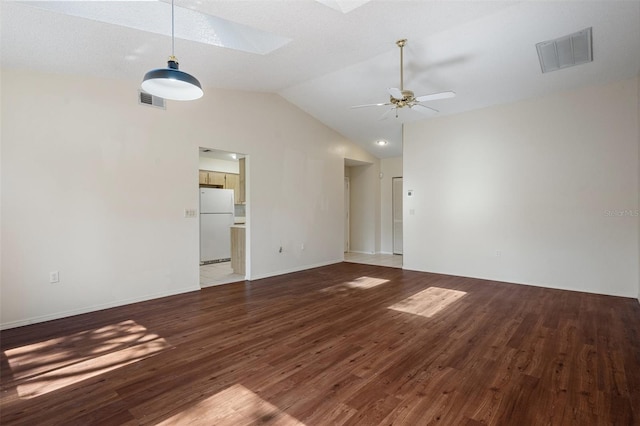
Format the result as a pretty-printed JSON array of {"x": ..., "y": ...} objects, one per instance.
[{"x": 171, "y": 83}]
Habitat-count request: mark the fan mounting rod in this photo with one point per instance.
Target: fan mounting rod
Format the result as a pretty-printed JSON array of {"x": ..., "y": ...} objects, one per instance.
[
  {"x": 401, "y": 44},
  {"x": 400, "y": 98}
]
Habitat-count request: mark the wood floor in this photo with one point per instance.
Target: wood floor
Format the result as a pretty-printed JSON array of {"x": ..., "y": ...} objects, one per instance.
[{"x": 344, "y": 344}]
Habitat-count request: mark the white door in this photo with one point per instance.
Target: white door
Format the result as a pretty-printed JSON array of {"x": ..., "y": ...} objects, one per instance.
[
  {"x": 397, "y": 214},
  {"x": 347, "y": 206}
]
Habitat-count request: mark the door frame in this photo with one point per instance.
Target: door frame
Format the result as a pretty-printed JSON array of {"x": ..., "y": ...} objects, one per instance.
[
  {"x": 347, "y": 215},
  {"x": 393, "y": 214},
  {"x": 247, "y": 255}
]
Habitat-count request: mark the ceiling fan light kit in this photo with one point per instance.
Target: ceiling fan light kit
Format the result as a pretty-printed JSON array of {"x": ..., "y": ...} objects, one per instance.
[
  {"x": 400, "y": 98},
  {"x": 171, "y": 83}
]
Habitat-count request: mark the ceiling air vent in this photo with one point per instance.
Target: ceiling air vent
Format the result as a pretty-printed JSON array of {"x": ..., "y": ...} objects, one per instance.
[
  {"x": 145, "y": 98},
  {"x": 567, "y": 51}
]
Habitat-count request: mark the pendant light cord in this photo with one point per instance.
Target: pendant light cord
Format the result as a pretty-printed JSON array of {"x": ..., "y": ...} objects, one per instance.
[
  {"x": 170, "y": 82},
  {"x": 173, "y": 39}
]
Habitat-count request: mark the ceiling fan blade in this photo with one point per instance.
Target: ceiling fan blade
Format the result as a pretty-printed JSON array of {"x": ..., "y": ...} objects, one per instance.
[
  {"x": 369, "y": 105},
  {"x": 395, "y": 92},
  {"x": 423, "y": 108},
  {"x": 436, "y": 96},
  {"x": 386, "y": 114}
]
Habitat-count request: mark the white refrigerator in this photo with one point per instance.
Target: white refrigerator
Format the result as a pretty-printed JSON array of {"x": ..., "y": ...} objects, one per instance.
[{"x": 216, "y": 218}]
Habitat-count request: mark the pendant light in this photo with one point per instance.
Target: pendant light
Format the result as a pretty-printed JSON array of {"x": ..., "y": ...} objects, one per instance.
[{"x": 171, "y": 83}]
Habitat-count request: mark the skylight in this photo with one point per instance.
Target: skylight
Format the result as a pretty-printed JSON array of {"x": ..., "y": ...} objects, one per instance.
[
  {"x": 344, "y": 6},
  {"x": 152, "y": 16}
]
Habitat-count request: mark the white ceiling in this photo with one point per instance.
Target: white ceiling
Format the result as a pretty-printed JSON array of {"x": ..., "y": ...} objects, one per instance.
[{"x": 484, "y": 51}]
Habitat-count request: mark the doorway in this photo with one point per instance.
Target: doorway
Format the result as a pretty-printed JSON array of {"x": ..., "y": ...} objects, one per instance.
[{"x": 223, "y": 217}]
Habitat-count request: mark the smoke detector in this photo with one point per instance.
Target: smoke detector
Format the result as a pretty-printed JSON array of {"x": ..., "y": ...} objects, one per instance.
[{"x": 567, "y": 51}]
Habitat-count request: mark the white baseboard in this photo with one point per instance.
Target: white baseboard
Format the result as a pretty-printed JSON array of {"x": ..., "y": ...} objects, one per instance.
[
  {"x": 506, "y": 281},
  {"x": 58, "y": 315},
  {"x": 372, "y": 253},
  {"x": 296, "y": 269}
]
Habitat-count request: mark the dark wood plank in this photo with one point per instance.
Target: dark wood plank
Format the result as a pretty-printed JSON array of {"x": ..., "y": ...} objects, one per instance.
[{"x": 323, "y": 347}]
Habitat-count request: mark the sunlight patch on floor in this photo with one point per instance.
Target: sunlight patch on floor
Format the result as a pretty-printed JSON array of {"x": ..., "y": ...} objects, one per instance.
[
  {"x": 366, "y": 282},
  {"x": 46, "y": 366},
  {"x": 428, "y": 302},
  {"x": 361, "y": 283},
  {"x": 233, "y": 406}
]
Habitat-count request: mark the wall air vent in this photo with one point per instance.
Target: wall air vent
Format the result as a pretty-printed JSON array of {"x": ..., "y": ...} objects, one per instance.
[
  {"x": 567, "y": 51},
  {"x": 145, "y": 98}
]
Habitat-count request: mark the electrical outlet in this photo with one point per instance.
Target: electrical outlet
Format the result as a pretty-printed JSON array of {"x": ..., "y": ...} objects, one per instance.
[
  {"x": 280, "y": 250},
  {"x": 54, "y": 277},
  {"x": 498, "y": 253}
]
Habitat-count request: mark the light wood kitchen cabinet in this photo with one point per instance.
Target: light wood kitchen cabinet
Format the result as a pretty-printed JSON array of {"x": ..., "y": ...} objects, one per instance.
[
  {"x": 208, "y": 177},
  {"x": 238, "y": 249},
  {"x": 216, "y": 178},
  {"x": 204, "y": 177},
  {"x": 223, "y": 180},
  {"x": 232, "y": 181}
]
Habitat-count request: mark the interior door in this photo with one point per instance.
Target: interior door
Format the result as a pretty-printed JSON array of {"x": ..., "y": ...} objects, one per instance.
[{"x": 397, "y": 214}]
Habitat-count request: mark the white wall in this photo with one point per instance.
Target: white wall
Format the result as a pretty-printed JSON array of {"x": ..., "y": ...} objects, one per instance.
[
  {"x": 218, "y": 165},
  {"x": 545, "y": 182},
  {"x": 95, "y": 186},
  {"x": 390, "y": 168}
]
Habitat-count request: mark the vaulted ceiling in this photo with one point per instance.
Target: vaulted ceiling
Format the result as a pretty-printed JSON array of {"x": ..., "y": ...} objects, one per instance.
[{"x": 325, "y": 56}]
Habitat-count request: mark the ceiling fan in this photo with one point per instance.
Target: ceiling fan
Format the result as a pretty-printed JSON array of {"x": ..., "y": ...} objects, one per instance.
[{"x": 401, "y": 98}]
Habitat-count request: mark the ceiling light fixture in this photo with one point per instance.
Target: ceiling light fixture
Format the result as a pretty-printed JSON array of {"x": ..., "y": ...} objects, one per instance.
[
  {"x": 170, "y": 82},
  {"x": 381, "y": 142}
]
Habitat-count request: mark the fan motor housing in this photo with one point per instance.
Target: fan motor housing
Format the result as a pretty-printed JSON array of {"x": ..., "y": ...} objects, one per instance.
[{"x": 407, "y": 98}]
